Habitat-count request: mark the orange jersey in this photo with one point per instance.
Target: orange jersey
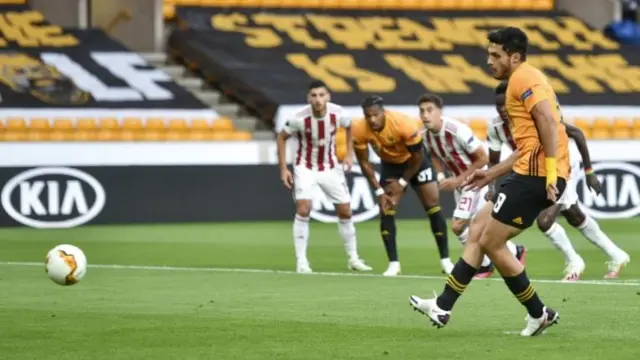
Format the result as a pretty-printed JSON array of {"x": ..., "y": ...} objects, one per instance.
[
  {"x": 391, "y": 143},
  {"x": 527, "y": 87}
]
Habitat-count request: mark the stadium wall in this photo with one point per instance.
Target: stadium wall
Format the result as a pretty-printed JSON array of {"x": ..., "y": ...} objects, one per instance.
[{"x": 130, "y": 183}]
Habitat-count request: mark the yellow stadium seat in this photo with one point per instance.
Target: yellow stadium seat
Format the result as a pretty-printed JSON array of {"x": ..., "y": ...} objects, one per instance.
[
  {"x": 37, "y": 135},
  {"x": 19, "y": 135},
  {"x": 63, "y": 124},
  {"x": 621, "y": 134},
  {"x": 132, "y": 124},
  {"x": 178, "y": 125},
  {"x": 199, "y": 124},
  {"x": 109, "y": 124},
  {"x": 16, "y": 124},
  {"x": 222, "y": 124},
  {"x": 150, "y": 135},
  {"x": 85, "y": 135},
  {"x": 61, "y": 135},
  {"x": 636, "y": 123},
  {"x": 635, "y": 133},
  {"x": 198, "y": 135},
  {"x": 600, "y": 134},
  {"x": 125, "y": 135},
  {"x": 621, "y": 123},
  {"x": 240, "y": 136},
  {"x": 155, "y": 124},
  {"x": 177, "y": 135},
  {"x": 86, "y": 124},
  {"x": 582, "y": 124},
  {"x": 220, "y": 136},
  {"x": 105, "y": 135},
  {"x": 169, "y": 11},
  {"x": 39, "y": 124},
  {"x": 601, "y": 123}
]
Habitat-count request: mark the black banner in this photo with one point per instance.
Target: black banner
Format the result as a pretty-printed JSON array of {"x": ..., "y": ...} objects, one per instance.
[
  {"x": 45, "y": 66},
  {"x": 61, "y": 197},
  {"x": 399, "y": 54}
]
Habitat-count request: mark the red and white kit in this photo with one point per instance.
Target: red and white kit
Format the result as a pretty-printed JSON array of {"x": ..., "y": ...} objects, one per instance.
[
  {"x": 315, "y": 161},
  {"x": 454, "y": 144}
]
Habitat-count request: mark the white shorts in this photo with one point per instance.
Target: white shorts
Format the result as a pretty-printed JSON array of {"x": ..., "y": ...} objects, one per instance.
[
  {"x": 468, "y": 203},
  {"x": 332, "y": 183},
  {"x": 570, "y": 194}
]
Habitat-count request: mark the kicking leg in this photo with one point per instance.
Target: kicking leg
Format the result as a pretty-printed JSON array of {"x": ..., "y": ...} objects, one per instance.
[
  {"x": 546, "y": 222},
  {"x": 429, "y": 196},
  {"x": 591, "y": 230}
]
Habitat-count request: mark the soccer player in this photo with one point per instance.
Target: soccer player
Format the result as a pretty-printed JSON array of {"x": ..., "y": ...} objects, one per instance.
[
  {"x": 397, "y": 139},
  {"x": 455, "y": 145},
  {"x": 315, "y": 127},
  {"x": 540, "y": 167},
  {"x": 567, "y": 205}
]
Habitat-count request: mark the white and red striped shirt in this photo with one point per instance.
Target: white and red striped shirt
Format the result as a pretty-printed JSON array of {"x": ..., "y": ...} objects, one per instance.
[
  {"x": 498, "y": 134},
  {"x": 453, "y": 144},
  {"x": 317, "y": 136}
]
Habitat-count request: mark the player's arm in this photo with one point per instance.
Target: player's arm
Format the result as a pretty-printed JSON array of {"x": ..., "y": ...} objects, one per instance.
[
  {"x": 581, "y": 143},
  {"x": 281, "y": 142},
  {"x": 495, "y": 146},
  {"x": 503, "y": 167},
  {"x": 413, "y": 141},
  {"x": 474, "y": 147},
  {"x": 548, "y": 132},
  {"x": 437, "y": 166}
]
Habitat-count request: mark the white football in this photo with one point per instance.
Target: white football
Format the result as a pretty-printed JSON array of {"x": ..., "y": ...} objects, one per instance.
[{"x": 66, "y": 264}]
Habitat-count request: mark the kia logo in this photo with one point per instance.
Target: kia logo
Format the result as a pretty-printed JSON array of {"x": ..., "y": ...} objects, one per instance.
[
  {"x": 620, "y": 197},
  {"x": 53, "y": 197},
  {"x": 363, "y": 200}
]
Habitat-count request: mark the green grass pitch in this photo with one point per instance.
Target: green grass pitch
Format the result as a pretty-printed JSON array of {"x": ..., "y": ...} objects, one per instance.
[{"x": 188, "y": 292}]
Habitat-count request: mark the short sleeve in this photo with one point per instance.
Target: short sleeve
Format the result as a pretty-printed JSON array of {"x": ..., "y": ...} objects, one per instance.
[
  {"x": 291, "y": 126},
  {"x": 344, "y": 120},
  {"x": 410, "y": 133},
  {"x": 495, "y": 144},
  {"x": 466, "y": 139},
  {"x": 528, "y": 88},
  {"x": 359, "y": 135}
]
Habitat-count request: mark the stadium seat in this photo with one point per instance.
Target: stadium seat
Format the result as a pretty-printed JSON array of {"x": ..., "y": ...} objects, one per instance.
[
  {"x": 601, "y": 124},
  {"x": 132, "y": 124},
  {"x": 125, "y": 135},
  {"x": 222, "y": 124},
  {"x": 39, "y": 124},
  {"x": 61, "y": 135},
  {"x": 197, "y": 135},
  {"x": 85, "y": 135},
  {"x": 178, "y": 125},
  {"x": 200, "y": 125},
  {"x": 36, "y": 135},
  {"x": 109, "y": 124},
  {"x": 178, "y": 135},
  {"x": 635, "y": 132},
  {"x": 86, "y": 124},
  {"x": 63, "y": 124},
  {"x": 20, "y": 135},
  {"x": 16, "y": 124},
  {"x": 105, "y": 135},
  {"x": 155, "y": 124},
  {"x": 150, "y": 135},
  {"x": 240, "y": 136},
  {"x": 600, "y": 134},
  {"x": 479, "y": 127},
  {"x": 621, "y": 129}
]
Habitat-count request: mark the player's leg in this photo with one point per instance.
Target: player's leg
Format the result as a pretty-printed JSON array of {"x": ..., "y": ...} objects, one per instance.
[
  {"x": 438, "y": 309},
  {"x": 547, "y": 223},
  {"x": 388, "y": 220},
  {"x": 304, "y": 181},
  {"x": 426, "y": 187},
  {"x": 334, "y": 185},
  {"x": 517, "y": 205},
  {"x": 591, "y": 230}
]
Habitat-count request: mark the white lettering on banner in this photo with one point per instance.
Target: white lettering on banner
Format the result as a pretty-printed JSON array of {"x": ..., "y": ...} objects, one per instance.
[
  {"x": 124, "y": 66},
  {"x": 620, "y": 196},
  {"x": 363, "y": 203},
  {"x": 87, "y": 81},
  {"x": 78, "y": 205}
]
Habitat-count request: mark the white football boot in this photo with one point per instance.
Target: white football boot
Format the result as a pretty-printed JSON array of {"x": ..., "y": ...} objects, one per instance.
[
  {"x": 574, "y": 270},
  {"x": 429, "y": 307},
  {"x": 538, "y": 326},
  {"x": 358, "y": 265},
  {"x": 616, "y": 265},
  {"x": 393, "y": 269},
  {"x": 447, "y": 266},
  {"x": 303, "y": 267}
]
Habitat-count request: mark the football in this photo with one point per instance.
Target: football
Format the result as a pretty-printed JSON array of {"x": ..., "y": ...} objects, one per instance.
[{"x": 66, "y": 264}]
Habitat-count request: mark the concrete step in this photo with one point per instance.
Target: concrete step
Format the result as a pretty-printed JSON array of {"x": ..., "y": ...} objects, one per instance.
[
  {"x": 155, "y": 58},
  {"x": 228, "y": 110},
  {"x": 263, "y": 135},
  {"x": 191, "y": 83},
  {"x": 209, "y": 97},
  {"x": 175, "y": 71}
]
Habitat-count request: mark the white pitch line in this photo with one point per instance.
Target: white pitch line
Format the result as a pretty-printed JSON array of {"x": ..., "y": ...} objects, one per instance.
[{"x": 630, "y": 282}]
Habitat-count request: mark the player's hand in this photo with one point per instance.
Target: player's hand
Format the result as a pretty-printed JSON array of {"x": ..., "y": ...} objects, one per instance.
[
  {"x": 386, "y": 202},
  {"x": 393, "y": 188},
  {"x": 287, "y": 178},
  {"x": 450, "y": 184},
  {"x": 594, "y": 184},
  {"x": 552, "y": 193},
  {"x": 477, "y": 180},
  {"x": 347, "y": 163}
]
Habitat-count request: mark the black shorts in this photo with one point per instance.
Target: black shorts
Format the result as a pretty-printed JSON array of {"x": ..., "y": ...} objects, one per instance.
[
  {"x": 425, "y": 175},
  {"x": 519, "y": 199}
]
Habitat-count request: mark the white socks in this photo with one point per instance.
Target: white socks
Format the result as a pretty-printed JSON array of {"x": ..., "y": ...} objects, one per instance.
[
  {"x": 301, "y": 237},
  {"x": 348, "y": 233},
  {"x": 560, "y": 240},
  {"x": 591, "y": 230}
]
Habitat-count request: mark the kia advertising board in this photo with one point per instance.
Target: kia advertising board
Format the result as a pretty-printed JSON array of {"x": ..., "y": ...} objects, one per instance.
[{"x": 129, "y": 183}]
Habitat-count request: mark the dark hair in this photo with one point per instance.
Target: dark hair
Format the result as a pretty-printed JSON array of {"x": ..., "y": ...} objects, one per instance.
[
  {"x": 501, "y": 89},
  {"x": 512, "y": 39},
  {"x": 372, "y": 100},
  {"x": 432, "y": 98},
  {"x": 317, "y": 84}
]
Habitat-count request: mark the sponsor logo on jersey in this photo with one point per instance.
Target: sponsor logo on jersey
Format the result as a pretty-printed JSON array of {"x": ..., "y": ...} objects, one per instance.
[
  {"x": 363, "y": 201},
  {"x": 53, "y": 197},
  {"x": 620, "y": 196}
]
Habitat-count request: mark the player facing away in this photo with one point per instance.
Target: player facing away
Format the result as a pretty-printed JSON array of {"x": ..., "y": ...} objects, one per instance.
[
  {"x": 540, "y": 167},
  {"x": 397, "y": 139},
  {"x": 316, "y": 164},
  {"x": 567, "y": 205},
  {"x": 453, "y": 143}
]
